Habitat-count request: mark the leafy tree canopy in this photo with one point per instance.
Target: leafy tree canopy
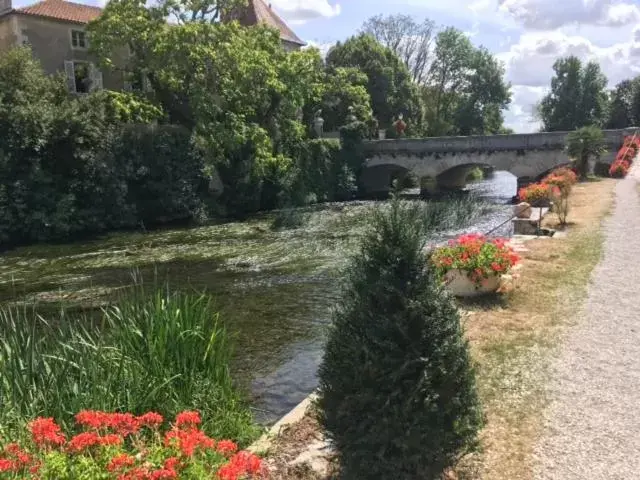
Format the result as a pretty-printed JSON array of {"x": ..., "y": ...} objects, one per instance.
[
  {"x": 577, "y": 98},
  {"x": 389, "y": 82},
  {"x": 466, "y": 91}
]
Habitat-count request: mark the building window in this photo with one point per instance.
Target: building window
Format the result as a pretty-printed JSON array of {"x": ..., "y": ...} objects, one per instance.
[
  {"x": 79, "y": 39},
  {"x": 82, "y": 77}
]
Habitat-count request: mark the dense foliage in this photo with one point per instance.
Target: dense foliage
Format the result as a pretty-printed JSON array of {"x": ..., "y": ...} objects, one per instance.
[
  {"x": 72, "y": 166},
  {"x": 397, "y": 390},
  {"x": 248, "y": 103},
  {"x": 165, "y": 352},
  {"x": 126, "y": 447},
  {"x": 462, "y": 86},
  {"x": 389, "y": 81},
  {"x": 577, "y": 98}
]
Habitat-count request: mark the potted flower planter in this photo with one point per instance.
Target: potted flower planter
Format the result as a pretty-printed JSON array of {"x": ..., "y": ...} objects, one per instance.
[
  {"x": 459, "y": 283},
  {"x": 473, "y": 265}
]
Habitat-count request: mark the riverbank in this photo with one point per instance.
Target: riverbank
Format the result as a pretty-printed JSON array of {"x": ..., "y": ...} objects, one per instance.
[{"x": 512, "y": 340}]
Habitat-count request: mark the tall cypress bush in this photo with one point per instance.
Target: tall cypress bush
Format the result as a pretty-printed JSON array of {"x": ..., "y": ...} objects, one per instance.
[{"x": 397, "y": 388}]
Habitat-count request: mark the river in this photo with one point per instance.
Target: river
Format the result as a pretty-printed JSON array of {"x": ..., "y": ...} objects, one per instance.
[{"x": 275, "y": 289}]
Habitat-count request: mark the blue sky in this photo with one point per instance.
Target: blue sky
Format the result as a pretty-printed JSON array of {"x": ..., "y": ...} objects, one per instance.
[{"x": 527, "y": 35}]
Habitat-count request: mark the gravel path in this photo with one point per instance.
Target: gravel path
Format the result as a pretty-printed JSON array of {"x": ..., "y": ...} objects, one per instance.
[{"x": 592, "y": 425}]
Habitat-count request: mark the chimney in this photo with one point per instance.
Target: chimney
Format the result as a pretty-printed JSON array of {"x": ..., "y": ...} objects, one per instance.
[{"x": 5, "y": 6}]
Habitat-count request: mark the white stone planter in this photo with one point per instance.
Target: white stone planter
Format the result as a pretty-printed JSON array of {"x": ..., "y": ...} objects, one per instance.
[
  {"x": 461, "y": 285},
  {"x": 382, "y": 134}
]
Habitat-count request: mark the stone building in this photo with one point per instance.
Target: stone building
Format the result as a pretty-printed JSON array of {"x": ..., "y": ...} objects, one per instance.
[{"x": 55, "y": 30}]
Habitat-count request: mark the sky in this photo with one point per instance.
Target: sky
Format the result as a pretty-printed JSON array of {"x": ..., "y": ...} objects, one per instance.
[{"x": 527, "y": 35}]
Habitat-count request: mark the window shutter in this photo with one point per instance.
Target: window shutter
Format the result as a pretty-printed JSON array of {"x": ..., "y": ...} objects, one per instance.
[
  {"x": 96, "y": 78},
  {"x": 71, "y": 76}
]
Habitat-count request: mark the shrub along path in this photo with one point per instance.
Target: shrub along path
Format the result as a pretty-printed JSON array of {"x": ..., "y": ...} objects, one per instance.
[{"x": 591, "y": 424}]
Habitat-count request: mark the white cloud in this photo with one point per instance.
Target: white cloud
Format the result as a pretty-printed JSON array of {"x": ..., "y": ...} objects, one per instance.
[
  {"x": 301, "y": 11},
  {"x": 520, "y": 115},
  {"x": 552, "y": 14},
  {"x": 530, "y": 61},
  {"x": 529, "y": 66},
  {"x": 324, "y": 47}
]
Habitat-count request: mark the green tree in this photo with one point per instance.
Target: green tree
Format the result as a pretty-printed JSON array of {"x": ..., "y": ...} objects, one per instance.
[
  {"x": 235, "y": 88},
  {"x": 483, "y": 98},
  {"x": 397, "y": 389},
  {"x": 624, "y": 104},
  {"x": 408, "y": 39},
  {"x": 584, "y": 144},
  {"x": 577, "y": 97},
  {"x": 447, "y": 78},
  {"x": 620, "y": 105},
  {"x": 389, "y": 82},
  {"x": 466, "y": 92}
]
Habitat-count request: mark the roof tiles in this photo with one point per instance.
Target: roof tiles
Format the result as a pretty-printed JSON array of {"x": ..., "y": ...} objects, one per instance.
[
  {"x": 257, "y": 11},
  {"x": 62, "y": 10}
]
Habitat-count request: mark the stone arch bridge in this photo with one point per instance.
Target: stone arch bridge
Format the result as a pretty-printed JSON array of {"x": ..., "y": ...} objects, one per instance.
[{"x": 444, "y": 162}]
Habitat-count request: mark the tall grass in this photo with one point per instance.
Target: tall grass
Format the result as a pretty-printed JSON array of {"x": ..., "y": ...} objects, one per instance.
[
  {"x": 453, "y": 213},
  {"x": 163, "y": 352}
]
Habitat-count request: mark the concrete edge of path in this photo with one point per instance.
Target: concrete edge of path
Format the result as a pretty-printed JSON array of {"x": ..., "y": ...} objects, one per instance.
[{"x": 294, "y": 416}]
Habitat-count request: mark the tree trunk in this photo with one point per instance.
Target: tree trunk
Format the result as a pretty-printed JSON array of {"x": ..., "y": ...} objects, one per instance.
[{"x": 583, "y": 167}]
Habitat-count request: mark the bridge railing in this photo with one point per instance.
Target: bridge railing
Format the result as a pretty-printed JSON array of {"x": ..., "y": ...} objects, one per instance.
[{"x": 516, "y": 141}]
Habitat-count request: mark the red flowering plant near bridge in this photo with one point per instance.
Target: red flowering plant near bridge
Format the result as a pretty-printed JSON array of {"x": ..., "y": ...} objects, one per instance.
[
  {"x": 627, "y": 153},
  {"x": 537, "y": 193},
  {"x": 122, "y": 446},
  {"x": 476, "y": 255}
]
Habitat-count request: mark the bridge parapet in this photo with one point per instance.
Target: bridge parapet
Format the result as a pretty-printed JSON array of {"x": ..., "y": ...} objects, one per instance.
[{"x": 485, "y": 143}]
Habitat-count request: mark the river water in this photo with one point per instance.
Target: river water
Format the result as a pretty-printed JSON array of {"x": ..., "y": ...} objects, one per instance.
[
  {"x": 274, "y": 289},
  {"x": 293, "y": 377}
]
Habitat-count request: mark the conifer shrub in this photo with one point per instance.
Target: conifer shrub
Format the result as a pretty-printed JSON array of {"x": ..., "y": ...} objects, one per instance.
[{"x": 397, "y": 388}]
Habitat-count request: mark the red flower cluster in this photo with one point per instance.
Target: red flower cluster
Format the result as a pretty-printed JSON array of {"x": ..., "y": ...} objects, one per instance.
[
  {"x": 14, "y": 459},
  {"x": 627, "y": 153},
  {"x": 188, "y": 419},
  {"x": 45, "y": 432},
  {"x": 536, "y": 193},
  {"x": 188, "y": 440},
  {"x": 557, "y": 184},
  {"x": 562, "y": 179},
  {"x": 86, "y": 440},
  {"x": 118, "y": 444},
  {"x": 122, "y": 423},
  {"x": 242, "y": 463},
  {"x": 476, "y": 255}
]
